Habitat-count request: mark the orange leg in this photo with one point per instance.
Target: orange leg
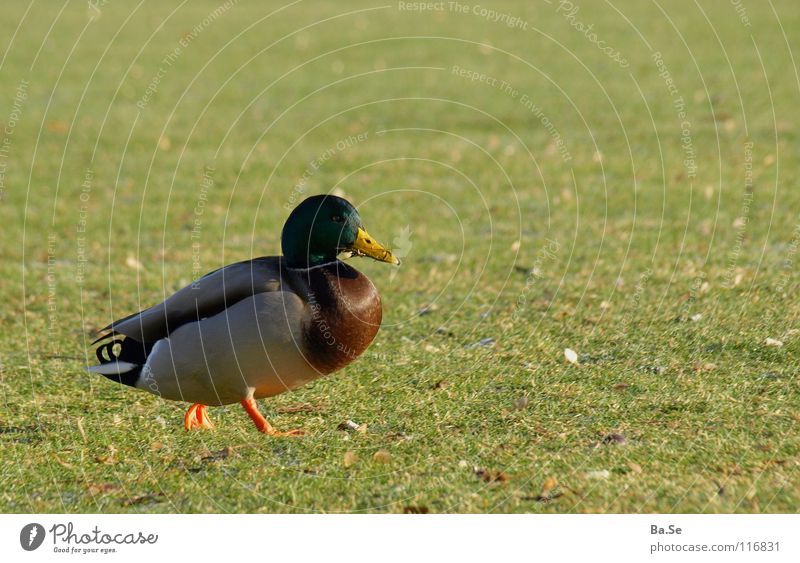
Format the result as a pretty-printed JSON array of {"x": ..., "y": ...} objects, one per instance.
[
  {"x": 261, "y": 422},
  {"x": 196, "y": 418}
]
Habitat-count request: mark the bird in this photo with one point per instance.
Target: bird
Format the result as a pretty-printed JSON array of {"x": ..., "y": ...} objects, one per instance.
[{"x": 256, "y": 328}]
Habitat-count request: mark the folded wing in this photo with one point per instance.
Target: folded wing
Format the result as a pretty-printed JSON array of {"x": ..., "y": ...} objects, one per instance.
[{"x": 203, "y": 298}]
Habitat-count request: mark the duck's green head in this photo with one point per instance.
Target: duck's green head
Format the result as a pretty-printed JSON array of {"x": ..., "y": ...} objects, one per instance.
[{"x": 322, "y": 227}]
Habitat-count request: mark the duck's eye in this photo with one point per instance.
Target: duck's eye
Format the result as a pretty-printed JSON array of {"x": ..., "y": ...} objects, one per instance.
[{"x": 337, "y": 219}]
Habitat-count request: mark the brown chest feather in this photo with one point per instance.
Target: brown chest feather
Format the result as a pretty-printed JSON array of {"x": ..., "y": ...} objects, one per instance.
[{"x": 345, "y": 314}]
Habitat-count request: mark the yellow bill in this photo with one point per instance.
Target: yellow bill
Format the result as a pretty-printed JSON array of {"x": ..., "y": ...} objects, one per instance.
[{"x": 365, "y": 245}]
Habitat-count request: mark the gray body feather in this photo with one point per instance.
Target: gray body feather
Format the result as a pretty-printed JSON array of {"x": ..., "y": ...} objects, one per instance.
[{"x": 234, "y": 334}]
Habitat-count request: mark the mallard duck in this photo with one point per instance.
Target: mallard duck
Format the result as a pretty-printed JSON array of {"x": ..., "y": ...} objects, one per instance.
[{"x": 256, "y": 328}]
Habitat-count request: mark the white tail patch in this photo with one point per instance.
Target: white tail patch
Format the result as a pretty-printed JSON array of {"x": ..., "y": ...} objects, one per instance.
[{"x": 113, "y": 368}]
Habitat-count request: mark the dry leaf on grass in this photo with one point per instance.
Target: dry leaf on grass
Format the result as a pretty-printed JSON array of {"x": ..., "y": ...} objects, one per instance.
[
  {"x": 382, "y": 456},
  {"x": 548, "y": 491},
  {"x": 102, "y": 488},
  {"x": 415, "y": 509},
  {"x": 549, "y": 484},
  {"x": 347, "y": 425},
  {"x": 299, "y": 407},
  {"x": 219, "y": 455},
  {"x": 109, "y": 459},
  {"x": 63, "y": 463},
  {"x": 133, "y": 263},
  {"x": 614, "y": 438},
  {"x": 398, "y": 436},
  {"x": 57, "y": 126},
  {"x": 350, "y": 458},
  {"x": 427, "y": 309},
  {"x": 80, "y": 428},
  {"x": 482, "y": 343},
  {"x": 545, "y": 498},
  {"x": 143, "y": 499},
  {"x": 491, "y": 476}
]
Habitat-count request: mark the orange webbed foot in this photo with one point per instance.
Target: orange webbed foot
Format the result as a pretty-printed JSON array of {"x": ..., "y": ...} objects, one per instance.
[
  {"x": 261, "y": 423},
  {"x": 197, "y": 418}
]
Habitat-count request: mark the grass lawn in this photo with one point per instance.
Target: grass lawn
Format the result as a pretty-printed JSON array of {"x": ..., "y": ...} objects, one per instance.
[{"x": 626, "y": 191}]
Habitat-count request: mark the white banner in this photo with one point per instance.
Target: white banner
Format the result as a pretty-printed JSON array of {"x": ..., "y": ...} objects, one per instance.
[{"x": 406, "y": 538}]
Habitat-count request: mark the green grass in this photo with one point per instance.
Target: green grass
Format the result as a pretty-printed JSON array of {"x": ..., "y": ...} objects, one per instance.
[{"x": 639, "y": 279}]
